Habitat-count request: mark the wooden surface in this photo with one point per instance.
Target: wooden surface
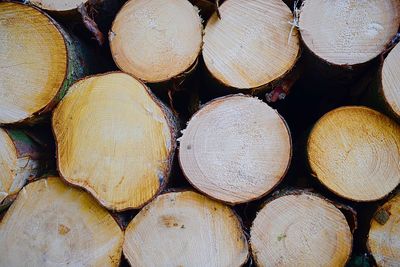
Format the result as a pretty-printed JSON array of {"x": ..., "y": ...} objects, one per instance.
[
  {"x": 114, "y": 140},
  {"x": 391, "y": 80},
  {"x": 51, "y": 224},
  {"x": 57, "y": 5},
  {"x": 384, "y": 235},
  {"x": 156, "y": 40},
  {"x": 15, "y": 167},
  {"x": 185, "y": 229},
  {"x": 235, "y": 149},
  {"x": 348, "y": 32},
  {"x": 33, "y": 61},
  {"x": 300, "y": 230},
  {"x": 249, "y": 46},
  {"x": 354, "y": 151}
]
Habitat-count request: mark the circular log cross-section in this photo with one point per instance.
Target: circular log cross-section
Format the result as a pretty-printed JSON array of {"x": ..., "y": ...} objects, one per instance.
[
  {"x": 115, "y": 140},
  {"x": 300, "y": 229},
  {"x": 391, "y": 80},
  {"x": 252, "y": 44},
  {"x": 235, "y": 149},
  {"x": 51, "y": 224},
  {"x": 19, "y": 161},
  {"x": 58, "y": 5},
  {"x": 156, "y": 40},
  {"x": 384, "y": 234},
  {"x": 185, "y": 229},
  {"x": 354, "y": 151},
  {"x": 348, "y": 32},
  {"x": 39, "y": 61}
]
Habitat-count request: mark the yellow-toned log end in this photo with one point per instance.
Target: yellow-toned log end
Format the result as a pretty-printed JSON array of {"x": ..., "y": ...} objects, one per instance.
[
  {"x": 156, "y": 40},
  {"x": 235, "y": 149},
  {"x": 384, "y": 234},
  {"x": 348, "y": 32},
  {"x": 114, "y": 139},
  {"x": 354, "y": 151},
  {"x": 252, "y": 44},
  {"x": 300, "y": 229},
  {"x": 53, "y": 224},
  {"x": 391, "y": 80},
  {"x": 185, "y": 229},
  {"x": 33, "y": 61}
]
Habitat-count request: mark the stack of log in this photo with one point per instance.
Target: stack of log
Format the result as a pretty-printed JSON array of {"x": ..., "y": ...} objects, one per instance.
[{"x": 227, "y": 133}]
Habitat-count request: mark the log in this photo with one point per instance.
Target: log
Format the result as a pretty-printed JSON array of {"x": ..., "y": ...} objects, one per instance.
[
  {"x": 59, "y": 5},
  {"x": 390, "y": 82},
  {"x": 21, "y": 159},
  {"x": 115, "y": 139},
  {"x": 52, "y": 224},
  {"x": 342, "y": 37},
  {"x": 300, "y": 228},
  {"x": 185, "y": 229},
  {"x": 47, "y": 59},
  {"x": 156, "y": 41},
  {"x": 384, "y": 234},
  {"x": 353, "y": 151},
  {"x": 252, "y": 45},
  {"x": 235, "y": 149}
]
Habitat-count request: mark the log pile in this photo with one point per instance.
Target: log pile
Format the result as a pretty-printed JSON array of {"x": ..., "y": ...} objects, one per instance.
[{"x": 224, "y": 133}]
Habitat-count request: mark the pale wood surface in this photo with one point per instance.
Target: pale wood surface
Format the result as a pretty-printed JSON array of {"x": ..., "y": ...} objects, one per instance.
[
  {"x": 156, "y": 40},
  {"x": 384, "y": 239},
  {"x": 51, "y": 224},
  {"x": 348, "y": 32},
  {"x": 114, "y": 140},
  {"x": 235, "y": 149},
  {"x": 354, "y": 151},
  {"x": 15, "y": 169},
  {"x": 250, "y": 45},
  {"x": 33, "y": 61},
  {"x": 57, "y": 5},
  {"x": 185, "y": 229},
  {"x": 391, "y": 79},
  {"x": 300, "y": 230}
]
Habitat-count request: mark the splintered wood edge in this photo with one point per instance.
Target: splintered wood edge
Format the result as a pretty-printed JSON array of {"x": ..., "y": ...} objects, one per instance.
[
  {"x": 58, "y": 5},
  {"x": 61, "y": 54},
  {"x": 348, "y": 33},
  {"x": 391, "y": 80},
  {"x": 332, "y": 179},
  {"x": 164, "y": 212},
  {"x": 31, "y": 200},
  {"x": 242, "y": 62},
  {"x": 282, "y": 238},
  {"x": 384, "y": 233},
  {"x": 142, "y": 68},
  {"x": 19, "y": 163},
  {"x": 173, "y": 125},
  {"x": 212, "y": 193}
]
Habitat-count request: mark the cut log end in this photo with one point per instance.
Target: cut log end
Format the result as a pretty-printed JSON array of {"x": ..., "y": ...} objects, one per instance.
[
  {"x": 156, "y": 40},
  {"x": 383, "y": 239},
  {"x": 252, "y": 44},
  {"x": 354, "y": 152},
  {"x": 235, "y": 149},
  {"x": 34, "y": 61},
  {"x": 348, "y": 32},
  {"x": 185, "y": 229},
  {"x": 114, "y": 139},
  {"x": 391, "y": 80},
  {"x": 300, "y": 228},
  {"x": 51, "y": 223},
  {"x": 58, "y": 5},
  {"x": 15, "y": 167}
]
